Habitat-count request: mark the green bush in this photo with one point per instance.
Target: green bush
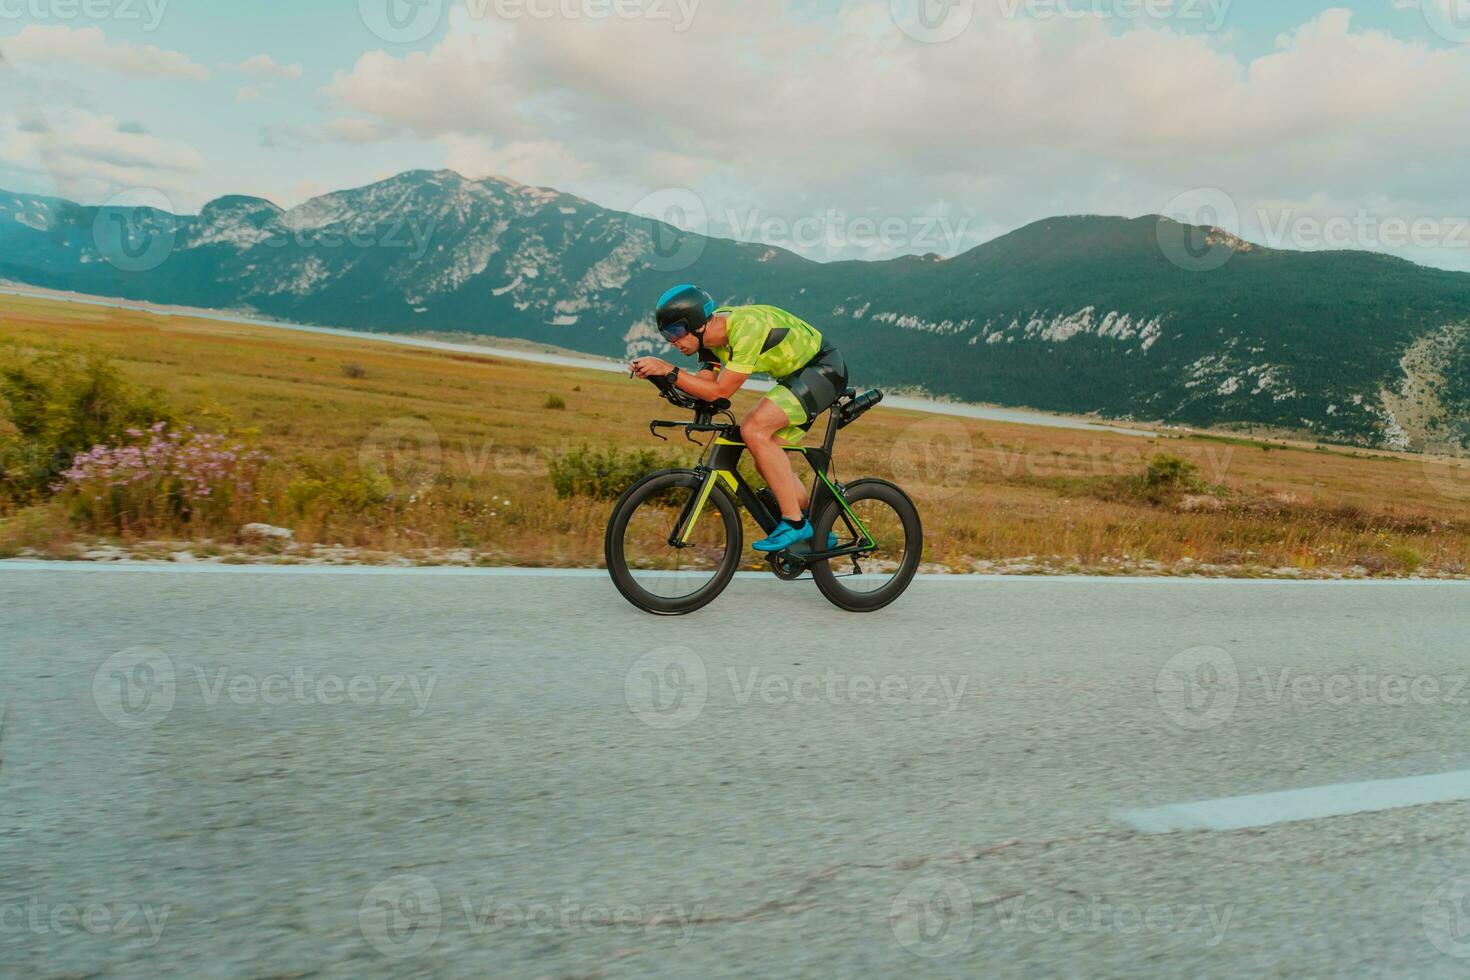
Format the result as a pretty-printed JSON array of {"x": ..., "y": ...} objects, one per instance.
[
  {"x": 30, "y": 529},
  {"x": 1408, "y": 559},
  {"x": 333, "y": 487},
  {"x": 555, "y": 403},
  {"x": 602, "y": 474},
  {"x": 55, "y": 405},
  {"x": 1164, "y": 480},
  {"x": 1167, "y": 472}
]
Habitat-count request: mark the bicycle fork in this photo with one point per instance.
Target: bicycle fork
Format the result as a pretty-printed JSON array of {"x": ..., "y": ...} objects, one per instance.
[{"x": 694, "y": 507}]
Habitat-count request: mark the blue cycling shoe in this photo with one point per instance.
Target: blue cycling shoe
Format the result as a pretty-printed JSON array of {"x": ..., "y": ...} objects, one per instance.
[{"x": 784, "y": 536}]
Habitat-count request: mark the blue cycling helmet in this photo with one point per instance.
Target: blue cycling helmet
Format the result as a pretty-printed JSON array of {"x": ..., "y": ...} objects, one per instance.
[{"x": 684, "y": 309}]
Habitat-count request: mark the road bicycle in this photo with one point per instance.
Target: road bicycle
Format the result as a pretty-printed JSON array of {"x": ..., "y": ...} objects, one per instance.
[{"x": 675, "y": 538}]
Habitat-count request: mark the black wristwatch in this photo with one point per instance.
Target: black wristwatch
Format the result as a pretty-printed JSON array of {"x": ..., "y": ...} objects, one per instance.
[{"x": 673, "y": 377}]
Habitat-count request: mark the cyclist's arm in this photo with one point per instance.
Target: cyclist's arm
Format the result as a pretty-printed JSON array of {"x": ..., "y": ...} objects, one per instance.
[
  {"x": 730, "y": 374},
  {"x": 709, "y": 386}
]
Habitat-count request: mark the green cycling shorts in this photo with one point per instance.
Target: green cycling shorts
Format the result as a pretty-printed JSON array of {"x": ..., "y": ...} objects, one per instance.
[{"x": 809, "y": 391}]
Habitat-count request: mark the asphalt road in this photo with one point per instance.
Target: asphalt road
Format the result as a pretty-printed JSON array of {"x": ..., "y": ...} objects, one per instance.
[{"x": 416, "y": 774}]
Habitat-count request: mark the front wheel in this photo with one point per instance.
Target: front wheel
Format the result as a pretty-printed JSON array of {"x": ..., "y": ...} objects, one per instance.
[
  {"x": 662, "y": 578},
  {"x": 865, "y": 583}
]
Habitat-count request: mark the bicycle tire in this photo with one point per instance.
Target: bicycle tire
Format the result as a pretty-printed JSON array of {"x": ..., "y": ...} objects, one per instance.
[
  {"x": 831, "y": 584},
  {"x": 617, "y": 525}
]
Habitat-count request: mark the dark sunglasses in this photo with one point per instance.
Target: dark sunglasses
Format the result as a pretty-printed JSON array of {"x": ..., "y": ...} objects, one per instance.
[{"x": 675, "y": 331}]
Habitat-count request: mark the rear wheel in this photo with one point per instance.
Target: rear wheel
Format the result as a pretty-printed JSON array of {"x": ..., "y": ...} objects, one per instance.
[
  {"x": 653, "y": 574},
  {"x": 865, "y": 583}
]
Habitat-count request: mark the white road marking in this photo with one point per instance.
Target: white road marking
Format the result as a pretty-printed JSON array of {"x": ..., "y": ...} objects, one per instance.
[{"x": 1291, "y": 806}]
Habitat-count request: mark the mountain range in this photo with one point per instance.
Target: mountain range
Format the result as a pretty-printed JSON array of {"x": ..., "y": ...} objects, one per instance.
[{"x": 1134, "y": 319}]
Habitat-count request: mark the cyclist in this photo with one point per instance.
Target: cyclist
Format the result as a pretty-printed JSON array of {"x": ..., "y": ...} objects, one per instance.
[{"x": 734, "y": 342}]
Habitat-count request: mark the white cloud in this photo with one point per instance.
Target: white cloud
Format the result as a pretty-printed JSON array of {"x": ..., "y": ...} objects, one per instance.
[
  {"x": 1014, "y": 120},
  {"x": 88, "y": 157},
  {"x": 264, "y": 68},
  {"x": 306, "y": 190},
  {"x": 344, "y": 129},
  {"x": 247, "y": 94},
  {"x": 538, "y": 162},
  {"x": 87, "y": 47},
  {"x": 348, "y": 130}
]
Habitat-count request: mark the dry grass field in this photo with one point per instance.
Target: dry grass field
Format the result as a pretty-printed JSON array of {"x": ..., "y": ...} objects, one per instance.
[{"x": 382, "y": 453}]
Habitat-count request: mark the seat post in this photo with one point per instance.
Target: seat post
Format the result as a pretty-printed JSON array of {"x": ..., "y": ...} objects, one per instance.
[{"x": 831, "y": 438}]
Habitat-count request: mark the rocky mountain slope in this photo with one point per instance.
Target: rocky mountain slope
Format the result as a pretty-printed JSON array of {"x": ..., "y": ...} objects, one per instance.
[{"x": 1075, "y": 314}]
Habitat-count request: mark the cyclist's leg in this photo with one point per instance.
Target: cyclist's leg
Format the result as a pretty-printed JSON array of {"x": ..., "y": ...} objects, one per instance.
[
  {"x": 810, "y": 391},
  {"x": 818, "y": 385},
  {"x": 764, "y": 430},
  {"x": 785, "y": 415}
]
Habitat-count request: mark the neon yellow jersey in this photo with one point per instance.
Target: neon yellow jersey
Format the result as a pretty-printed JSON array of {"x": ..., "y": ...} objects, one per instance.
[{"x": 765, "y": 340}]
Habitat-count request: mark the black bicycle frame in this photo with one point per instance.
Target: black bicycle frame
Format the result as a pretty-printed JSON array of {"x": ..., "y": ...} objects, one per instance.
[{"x": 721, "y": 461}]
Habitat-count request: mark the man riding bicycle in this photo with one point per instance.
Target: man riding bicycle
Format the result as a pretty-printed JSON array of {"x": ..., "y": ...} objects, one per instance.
[{"x": 734, "y": 342}]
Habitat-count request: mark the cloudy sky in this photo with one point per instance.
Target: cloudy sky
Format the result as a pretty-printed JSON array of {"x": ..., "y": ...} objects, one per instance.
[{"x": 840, "y": 128}]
